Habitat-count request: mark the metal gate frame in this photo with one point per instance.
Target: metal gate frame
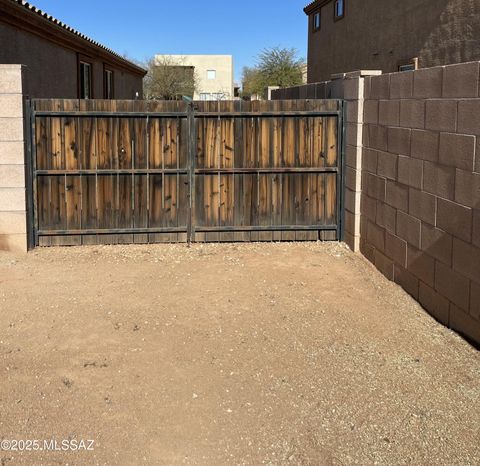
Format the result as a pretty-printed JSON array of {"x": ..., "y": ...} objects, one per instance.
[{"x": 191, "y": 115}]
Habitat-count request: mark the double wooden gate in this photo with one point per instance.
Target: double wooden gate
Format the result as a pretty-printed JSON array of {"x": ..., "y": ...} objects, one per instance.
[{"x": 146, "y": 172}]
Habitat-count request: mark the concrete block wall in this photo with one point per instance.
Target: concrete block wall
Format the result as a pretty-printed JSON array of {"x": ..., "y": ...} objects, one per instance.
[
  {"x": 420, "y": 175},
  {"x": 13, "y": 215},
  {"x": 353, "y": 92}
]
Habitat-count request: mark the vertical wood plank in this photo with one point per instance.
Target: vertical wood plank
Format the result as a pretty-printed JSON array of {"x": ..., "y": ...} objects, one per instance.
[
  {"x": 89, "y": 202},
  {"x": 155, "y": 143},
  {"x": 74, "y": 202},
  {"x": 330, "y": 141}
]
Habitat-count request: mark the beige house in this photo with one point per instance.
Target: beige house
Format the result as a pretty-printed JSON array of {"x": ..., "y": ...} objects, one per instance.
[{"x": 214, "y": 74}]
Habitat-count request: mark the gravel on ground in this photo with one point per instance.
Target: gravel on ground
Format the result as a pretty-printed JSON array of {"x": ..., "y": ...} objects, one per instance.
[{"x": 227, "y": 354}]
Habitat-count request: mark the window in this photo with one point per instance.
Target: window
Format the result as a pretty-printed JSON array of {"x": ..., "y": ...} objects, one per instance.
[
  {"x": 339, "y": 9},
  {"x": 408, "y": 65},
  {"x": 211, "y": 74},
  {"x": 317, "y": 21},
  {"x": 85, "y": 80},
  {"x": 108, "y": 84},
  {"x": 212, "y": 96}
]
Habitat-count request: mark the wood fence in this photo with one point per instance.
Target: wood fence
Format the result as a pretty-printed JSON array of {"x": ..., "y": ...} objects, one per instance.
[{"x": 139, "y": 172}]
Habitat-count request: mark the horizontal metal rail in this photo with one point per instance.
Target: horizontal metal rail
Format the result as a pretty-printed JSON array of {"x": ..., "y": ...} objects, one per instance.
[
  {"x": 198, "y": 171},
  {"x": 312, "y": 113},
  {"x": 233, "y": 171},
  {"x": 127, "y": 171},
  {"x": 200, "y": 229},
  {"x": 111, "y": 231},
  {"x": 95, "y": 114}
]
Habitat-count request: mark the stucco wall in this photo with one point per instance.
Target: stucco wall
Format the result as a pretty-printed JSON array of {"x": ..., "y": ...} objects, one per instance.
[
  {"x": 222, "y": 64},
  {"x": 420, "y": 207},
  {"x": 51, "y": 71},
  {"x": 13, "y": 216},
  {"x": 378, "y": 34}
]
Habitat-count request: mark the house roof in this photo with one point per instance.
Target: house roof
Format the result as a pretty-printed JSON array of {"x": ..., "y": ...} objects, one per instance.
[
  {"x": 311, "y": 7},
  {"x": 56, "y": 23}
]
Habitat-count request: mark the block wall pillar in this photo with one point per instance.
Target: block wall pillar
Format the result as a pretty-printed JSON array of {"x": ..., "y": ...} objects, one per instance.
[{"x": 13, "y": 210}]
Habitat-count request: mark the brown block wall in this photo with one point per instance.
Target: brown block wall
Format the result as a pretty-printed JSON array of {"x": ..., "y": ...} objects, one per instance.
[
  {"x": 13, "y": 216},
  {"x": 420, "y": 203}
]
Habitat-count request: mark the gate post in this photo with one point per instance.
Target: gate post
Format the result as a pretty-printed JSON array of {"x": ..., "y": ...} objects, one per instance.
[
  {"x": 342, "y": 133},
  {"x": 191, "y": 170},
  {"x": 29, "y": 174}
]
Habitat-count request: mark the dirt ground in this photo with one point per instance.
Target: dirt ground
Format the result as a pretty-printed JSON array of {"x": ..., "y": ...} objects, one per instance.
[{"x": 298, "y": 354}]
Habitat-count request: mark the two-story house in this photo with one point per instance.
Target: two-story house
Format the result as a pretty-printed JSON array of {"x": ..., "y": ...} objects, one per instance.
[
  {"x": 213, "y": 73},
  {"x": 390, "y": 35}
]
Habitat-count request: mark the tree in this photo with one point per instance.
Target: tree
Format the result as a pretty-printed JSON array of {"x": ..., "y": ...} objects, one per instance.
[
  {"x": 252, "y": 81},
  {"x": 169, "y": 79},
  {"x": 274, "y": 67}
]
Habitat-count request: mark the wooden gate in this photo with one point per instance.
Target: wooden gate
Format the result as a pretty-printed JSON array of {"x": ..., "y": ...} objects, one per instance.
[{"x": 147, "y": 172}]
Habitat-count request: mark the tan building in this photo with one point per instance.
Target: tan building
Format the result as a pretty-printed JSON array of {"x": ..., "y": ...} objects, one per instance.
[
  {"x": 214, "y": 74},
  {"x": 60, "y": 62},
  {"x": 390, "y": 35}
]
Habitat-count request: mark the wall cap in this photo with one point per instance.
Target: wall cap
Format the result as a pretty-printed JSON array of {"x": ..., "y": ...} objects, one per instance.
[
  {"x": 12, "y": 67},
  {"x": 356, "y": 74}
]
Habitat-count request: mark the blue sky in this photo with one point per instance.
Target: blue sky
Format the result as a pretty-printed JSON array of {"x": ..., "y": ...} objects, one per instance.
[{"x": 142, "y": 28}]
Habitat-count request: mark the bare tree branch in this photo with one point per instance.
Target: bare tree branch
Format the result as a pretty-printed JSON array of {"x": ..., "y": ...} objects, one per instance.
[{"x": 169, "y": 79}]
